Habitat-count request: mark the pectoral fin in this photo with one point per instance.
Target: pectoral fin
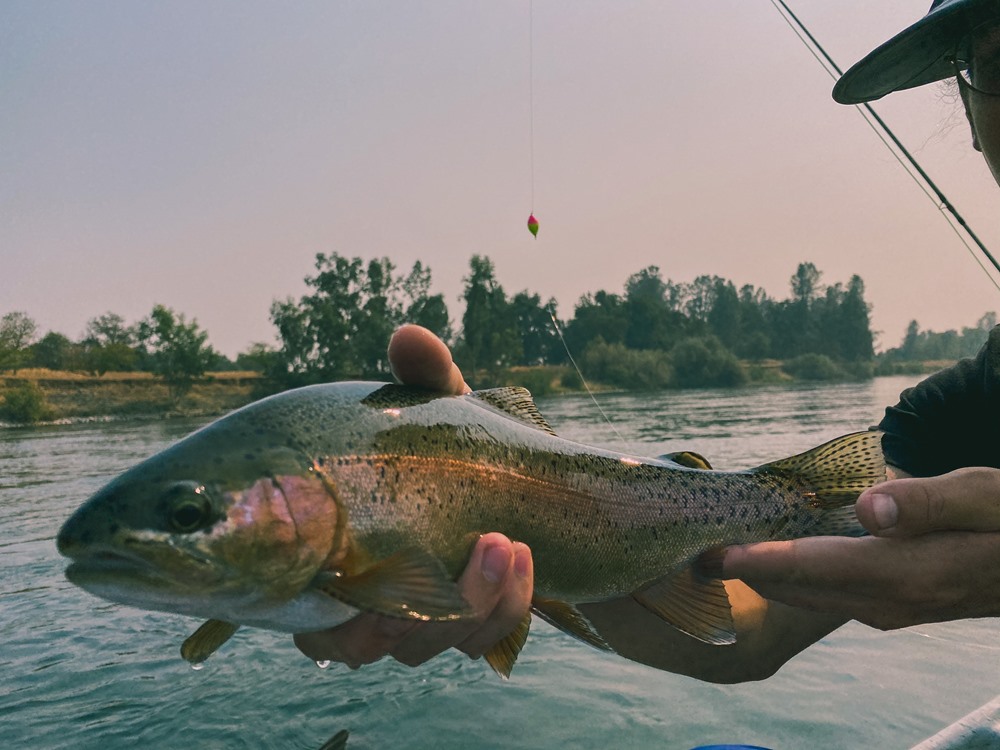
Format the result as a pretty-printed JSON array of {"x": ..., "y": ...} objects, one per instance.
[
  {"x": 503, "y": 653},
  {"x": 411, "y": 584},
  {"x": 570, "y": 620},
  {"x": 206, "y": 640},
  {"x": 693, "y": 605},
  {"x": 337, "y": 742}
]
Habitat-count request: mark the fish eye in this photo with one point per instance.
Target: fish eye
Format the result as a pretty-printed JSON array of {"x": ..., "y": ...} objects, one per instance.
[{"x": 188, "y": 507}]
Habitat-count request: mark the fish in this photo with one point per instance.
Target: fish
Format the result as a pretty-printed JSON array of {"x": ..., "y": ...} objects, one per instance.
[{"x": 299, "y": 511}]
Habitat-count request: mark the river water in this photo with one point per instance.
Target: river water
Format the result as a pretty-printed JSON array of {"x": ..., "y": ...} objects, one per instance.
[{"x": 77, "y": 672}]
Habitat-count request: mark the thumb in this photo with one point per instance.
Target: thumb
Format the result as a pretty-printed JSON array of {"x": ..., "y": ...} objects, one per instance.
[{"x": 962, "y": 500}]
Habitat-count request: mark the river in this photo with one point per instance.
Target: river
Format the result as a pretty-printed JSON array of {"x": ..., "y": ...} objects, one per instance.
[{"x": 77, "y": 672}]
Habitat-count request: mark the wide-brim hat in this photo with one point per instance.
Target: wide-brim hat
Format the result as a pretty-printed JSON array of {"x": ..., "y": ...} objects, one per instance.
[{"x": 917, "y": 55}]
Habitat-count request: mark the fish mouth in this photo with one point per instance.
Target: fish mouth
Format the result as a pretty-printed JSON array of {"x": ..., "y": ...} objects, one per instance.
[{"x": 104, "y": 566}]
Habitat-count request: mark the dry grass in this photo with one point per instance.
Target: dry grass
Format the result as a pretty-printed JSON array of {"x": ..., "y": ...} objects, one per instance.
[
  {"x": 73, "y": 394},
  {"x": 41, "y": 373}
]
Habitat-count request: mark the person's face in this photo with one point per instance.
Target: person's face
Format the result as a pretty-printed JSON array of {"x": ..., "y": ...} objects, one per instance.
[{"x": 983, "y": 110}]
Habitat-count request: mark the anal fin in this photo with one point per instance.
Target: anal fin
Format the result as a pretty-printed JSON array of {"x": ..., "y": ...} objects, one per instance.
[
  {"x": 411, "y": 584},
  {"x": 502, "y": 654},
  {"x": 206, "y": 640},
  {"x": 570, "y": 620},
  {"x": 699, "y": 607}
]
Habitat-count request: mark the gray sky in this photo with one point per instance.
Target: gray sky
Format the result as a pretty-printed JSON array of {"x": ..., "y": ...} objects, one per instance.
[{"x": 199, "y": 155}]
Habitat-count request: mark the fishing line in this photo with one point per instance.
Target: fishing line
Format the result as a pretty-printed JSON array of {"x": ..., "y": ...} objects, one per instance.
[
  {"x": 586, "y": 386},
  {"x": 531, "y": 99},
  {"x": 882, "y": 130}
]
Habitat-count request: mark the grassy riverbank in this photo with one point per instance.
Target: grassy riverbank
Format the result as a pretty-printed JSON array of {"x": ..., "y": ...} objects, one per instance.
[
  {"x": 32, "y": 395},
  {"x": 70, "y": 395}
]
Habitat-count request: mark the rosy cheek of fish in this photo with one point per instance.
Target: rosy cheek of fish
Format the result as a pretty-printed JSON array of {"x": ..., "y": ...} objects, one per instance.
[{"x": 280, "y": 529}]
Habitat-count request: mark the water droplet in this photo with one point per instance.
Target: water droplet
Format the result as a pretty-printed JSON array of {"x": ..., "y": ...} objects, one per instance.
[
  {"x": 198, "y": 666},
  {"x": 323, "y": 664}
]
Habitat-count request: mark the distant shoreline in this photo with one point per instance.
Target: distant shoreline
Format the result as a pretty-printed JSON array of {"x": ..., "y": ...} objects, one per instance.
[{"x": 72, "y": 396}]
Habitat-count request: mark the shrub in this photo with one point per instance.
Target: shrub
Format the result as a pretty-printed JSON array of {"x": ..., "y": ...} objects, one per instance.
[
  {"x": 633, "y": 369},
  {"x": 704, "y": 363},
  {"x": 538, "y": 380},
  {"x": 25, "y": 404},
  {"x": 571, "y": 380},
  {"x": 814, "y": 367}
]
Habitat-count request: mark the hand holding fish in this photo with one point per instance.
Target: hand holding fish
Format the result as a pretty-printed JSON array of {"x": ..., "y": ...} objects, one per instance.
[{"x": 934, "y": 555}]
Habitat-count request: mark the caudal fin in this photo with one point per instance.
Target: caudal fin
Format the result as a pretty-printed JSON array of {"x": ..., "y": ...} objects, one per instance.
[{"x": 833, "y": 475}]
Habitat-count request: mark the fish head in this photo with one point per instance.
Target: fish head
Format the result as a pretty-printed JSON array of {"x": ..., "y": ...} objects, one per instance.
[{"x": 227, "y": 520}]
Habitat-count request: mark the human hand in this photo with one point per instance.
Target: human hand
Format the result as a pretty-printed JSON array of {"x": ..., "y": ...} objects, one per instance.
[
  {"x": 934, "y": 555},
  {"x": 497, "y": 582}
]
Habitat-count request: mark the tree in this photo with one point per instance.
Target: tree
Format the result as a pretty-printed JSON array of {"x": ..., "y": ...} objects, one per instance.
[
  {"x": 108, "y": 344},
  {"x": 175, "y": 348},
  {"x": 652, "y": 321},
  {"x": 597, "y": 316},
  {"x": 490, "y": 338},
  {"x": 539, "y": 340},
  {"x": 756, "y": 312},
  {"x": 54, "y": 351},
  {"x": 724, "y": 314},
  {"x": 340, "y": 330},
  {"x": 425, "y": 309},
  {"x": 854, "y": 341},
  {"x": 805, "y": 283},
  {"x": 17, "y": 331},
  {"x": 259, "y": 357}
]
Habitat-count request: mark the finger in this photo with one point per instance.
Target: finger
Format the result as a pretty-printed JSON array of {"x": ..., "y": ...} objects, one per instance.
[
  {"x": 816, "y": 561},
  {"x": 418, "y": 357},
  {"x": 489, "y": 579},
  {"x": 963, "y": 500},
  {"x": 512, "y": 608}
]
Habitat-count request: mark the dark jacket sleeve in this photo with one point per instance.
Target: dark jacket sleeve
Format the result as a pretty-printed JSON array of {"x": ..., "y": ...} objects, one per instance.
[{"x": 949, "y": 420}]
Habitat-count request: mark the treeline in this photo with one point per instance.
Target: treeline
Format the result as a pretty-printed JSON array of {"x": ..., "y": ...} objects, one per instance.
[
  {"x": 656, "y": 333},
  {"x": 653, "y": 333},
  {"x": 924, "y": 346},
  {"x": 163, "y": 343}
]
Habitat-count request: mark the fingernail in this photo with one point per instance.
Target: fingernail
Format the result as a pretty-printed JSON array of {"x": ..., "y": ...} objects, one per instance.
[
  {"x": 522, "y": 561},
  {"x": 885, "y": 510},
  {"x": 496, "y": 560}
]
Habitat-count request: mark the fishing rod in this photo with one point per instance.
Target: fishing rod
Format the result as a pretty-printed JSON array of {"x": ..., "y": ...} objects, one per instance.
[{"x": 928, "y": 185}]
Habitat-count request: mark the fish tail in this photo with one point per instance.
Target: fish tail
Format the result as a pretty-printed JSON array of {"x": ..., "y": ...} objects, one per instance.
[{"x": 832, "y": 475}]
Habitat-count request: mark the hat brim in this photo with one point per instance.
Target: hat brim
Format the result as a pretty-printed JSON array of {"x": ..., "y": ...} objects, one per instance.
[{"x": 917, "y": 55}]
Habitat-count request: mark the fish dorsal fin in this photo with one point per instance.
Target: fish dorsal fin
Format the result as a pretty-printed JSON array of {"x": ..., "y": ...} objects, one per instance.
[
  {"x": 502, "y": 654},
  {"x": 690, "y": 459},
  {"x": 699, "y": 607},
  {"x": 838, "y": 471},
  {"x": 515, "y": 402},
  {"x": 570, "y": 620},
  {"x": 206, "y": 640},
  {"x": 411, "y": 584}
]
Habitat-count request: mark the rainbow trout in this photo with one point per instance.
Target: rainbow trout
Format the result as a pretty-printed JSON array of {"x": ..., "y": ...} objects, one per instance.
[{"x": 300, "y": 510}]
